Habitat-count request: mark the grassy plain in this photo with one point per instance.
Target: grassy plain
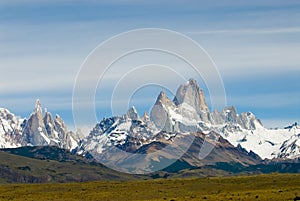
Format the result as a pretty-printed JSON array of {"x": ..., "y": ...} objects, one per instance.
[{"x": 258, "y": 187}]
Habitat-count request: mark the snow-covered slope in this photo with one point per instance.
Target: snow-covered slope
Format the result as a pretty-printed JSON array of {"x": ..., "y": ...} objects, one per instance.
[
  {"x": 140, "y": 145},
  {"x": 130, "y": 129},
  {"x": 291, "y": 147},
  {"x": 10, "y": 129},
  {"x": 267, "y": 143}
]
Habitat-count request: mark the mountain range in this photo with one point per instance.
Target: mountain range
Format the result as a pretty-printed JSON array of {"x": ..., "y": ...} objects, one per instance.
[{"x": 148, "y": 141}]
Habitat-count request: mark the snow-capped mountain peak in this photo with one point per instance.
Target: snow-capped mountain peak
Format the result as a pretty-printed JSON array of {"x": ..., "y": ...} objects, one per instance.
[
  {"x": 39, "y": 130},
  {"x": 188, "y": 113}
]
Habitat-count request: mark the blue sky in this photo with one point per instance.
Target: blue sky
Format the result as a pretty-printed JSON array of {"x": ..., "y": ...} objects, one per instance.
[{"x": 255, "y": 45}]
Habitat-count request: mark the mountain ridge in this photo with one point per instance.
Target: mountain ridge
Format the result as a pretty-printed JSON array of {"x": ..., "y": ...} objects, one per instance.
[{"x": 187, "y": 114}]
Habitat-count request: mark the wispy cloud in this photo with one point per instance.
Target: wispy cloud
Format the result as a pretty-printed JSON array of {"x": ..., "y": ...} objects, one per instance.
[
  {"x": 43, "y": 43},
  {"x": 285, "y": 30},
  {"x": 283, "y": 99}
]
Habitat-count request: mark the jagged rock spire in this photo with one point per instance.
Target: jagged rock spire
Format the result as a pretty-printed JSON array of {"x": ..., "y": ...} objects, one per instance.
[
  {"x": 159, "y": 113},
  {"x": 38, "y": 106},
  {"x": 162, "y": 99},
  {"x": 45, "y": 130},
  {"x": 189, "y": 103},
  {"x": 132, "y": 113},
  {"x": 191, "y": 94}
]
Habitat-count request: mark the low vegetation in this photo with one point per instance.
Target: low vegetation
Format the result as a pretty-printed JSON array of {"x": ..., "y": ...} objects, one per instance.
[
  {"x": 19, "y": 169},
  {"x": 259, "y": 187}
]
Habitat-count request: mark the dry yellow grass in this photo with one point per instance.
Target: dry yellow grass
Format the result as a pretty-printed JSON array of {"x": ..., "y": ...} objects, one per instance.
[{"x": 259, "y": 187}]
